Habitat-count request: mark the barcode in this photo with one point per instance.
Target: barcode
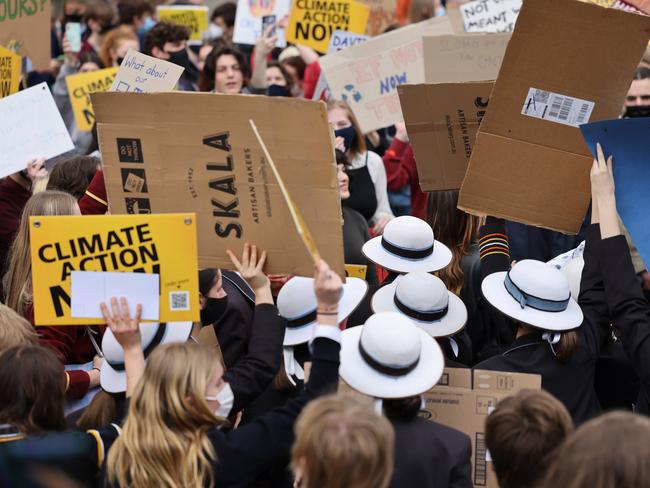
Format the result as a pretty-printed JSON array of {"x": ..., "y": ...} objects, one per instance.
[
  {"x": 566, "y": 108},
  {"x": 584, "y": 110},
  {"x": 555, "y": 107},
  {"x": 480, "y": 464},
  {"x": 179, "y": 300}
]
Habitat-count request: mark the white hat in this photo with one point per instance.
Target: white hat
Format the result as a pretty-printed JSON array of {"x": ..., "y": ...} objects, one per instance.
[
  {"x": 112, "y": 376},
  {"x": 534, "y": 293},
  {"x": 407, "y": 245},
  {"x": 389, "y": 357},
  {"x": 424, "y": 299},
  {"x": 297, "y": 303}
]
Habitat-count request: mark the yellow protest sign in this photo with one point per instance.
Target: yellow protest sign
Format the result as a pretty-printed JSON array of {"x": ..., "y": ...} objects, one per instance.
[
  {"x": 312, "y": 22},
  {"x": 356, "y": 271},
  {"x": 163, "y": 244},
  {"x": 194, "y": 18},
  {"x": 80, "y": 87},
  {"x": 9, "y": 72}
]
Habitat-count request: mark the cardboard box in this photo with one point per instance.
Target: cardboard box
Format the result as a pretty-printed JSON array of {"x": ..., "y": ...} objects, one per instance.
[
  {"x": 529, "y": 162},
  {"x": 464, "y": 403},
  {"x": 442, "y": 120},
  {"x": 196, "y": 152}
]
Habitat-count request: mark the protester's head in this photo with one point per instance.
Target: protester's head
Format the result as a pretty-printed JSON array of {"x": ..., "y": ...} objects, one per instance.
[
  {"x": 225, "y": 71},
  {"x": 223, "y": 17},
  {"x": 99, "y": 16},
  {"x": 344, "y": 182},
  {"x": 73, "y": 175},
  {"x": 14, "y": 330},
  {"x": 522, "y": 434},
  {"x": 32, "y": 389},
  {"x": 296, "y": 67},
  {"x": 17, "y": 282},
  {"x": 420, "y": 10},
  {"x": 345, "y": 125},
  {"x": 637, "y": 101},
  {"x": 73, "y": 11},
  {"x": 136, "y": 13},
  {"x": 537, "y": 296},
  {"x": 611, "y": 450},
  {"x": 168, "y": 41},
  {"x": 277, "y": 75},
  {"x": 340, "y": 443},
  {"x": 117, "y": 43},
  {"x": 206, "y": 49},
  {"x": 402, "y": 409},
  {"x": 173, "y": 406},
  {"x": 456, "y": 229},
  {"x": 212, "y": 297}
]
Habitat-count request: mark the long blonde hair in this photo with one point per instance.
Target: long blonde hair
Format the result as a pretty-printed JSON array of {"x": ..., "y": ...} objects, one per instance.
[
  {"x": 164, "y": 441},
  {"x": 17, "y": 282}
]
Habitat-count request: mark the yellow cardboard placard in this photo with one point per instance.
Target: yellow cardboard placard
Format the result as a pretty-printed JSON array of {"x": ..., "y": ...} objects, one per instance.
[
  {"x": 80, "y": 87},
  {"x": 194, "y": 18},
  {"x": 356, "y": 271},
  {"x": 9, "y": 72},
  {"x": 164, "y": 244},
  {"x": 312, "y": 22}
]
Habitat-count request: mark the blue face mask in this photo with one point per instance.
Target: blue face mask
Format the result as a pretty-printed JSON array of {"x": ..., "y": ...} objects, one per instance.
[
  {"x": 278, "y": 91},
  {"x": 146, "y": 27},
  {"x": 348, "y": 134}
]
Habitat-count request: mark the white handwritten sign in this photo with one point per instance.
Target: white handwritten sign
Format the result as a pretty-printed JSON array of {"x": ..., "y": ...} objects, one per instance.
[
  {"x": 141, "y": 73},
  {"x": 30, "y": 127},
  {"x": 490, "y": 15}
]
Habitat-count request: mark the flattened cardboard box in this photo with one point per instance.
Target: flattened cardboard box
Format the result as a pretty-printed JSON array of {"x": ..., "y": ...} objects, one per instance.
[
  {"x": 465, "y": 402},
  {"x": 196, "y": 152},
  {"x": 442, "y": 120},
  {"x": 529, "y": 162}
]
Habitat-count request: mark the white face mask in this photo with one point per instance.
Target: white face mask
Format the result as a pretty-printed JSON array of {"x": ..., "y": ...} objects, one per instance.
[
  {"x": 214, "y": 31},
  {"x": 226, "y": 399}
]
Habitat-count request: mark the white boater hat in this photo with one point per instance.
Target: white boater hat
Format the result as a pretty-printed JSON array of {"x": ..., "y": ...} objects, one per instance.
[
  {"x": 112, "y": 376},
  {"x": 536, "y": 294},
  {"x": 297, "y": 303},
  {"x": 424, "y": 299},
  {"x": 406, "y": 245},
  {"x": 389, "y": 357}
]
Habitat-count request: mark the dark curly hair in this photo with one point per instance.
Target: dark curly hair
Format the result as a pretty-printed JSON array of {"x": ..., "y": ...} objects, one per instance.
[
  {"x": 73, "y": 175},
  {"x": 162, "y": 33},
  {"x": 206, "y": 81}
]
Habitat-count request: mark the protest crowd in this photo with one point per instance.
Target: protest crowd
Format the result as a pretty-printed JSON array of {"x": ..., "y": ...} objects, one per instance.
[{"x": 325, "y": 244}]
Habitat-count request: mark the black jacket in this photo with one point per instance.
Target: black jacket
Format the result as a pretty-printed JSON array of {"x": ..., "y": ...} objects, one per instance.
[
  {"x": 573, "y": 382},
  {"x": 234, "y": 328},
  {"x": 629, "y": 310},
  {"x": 430, "y": 455}
]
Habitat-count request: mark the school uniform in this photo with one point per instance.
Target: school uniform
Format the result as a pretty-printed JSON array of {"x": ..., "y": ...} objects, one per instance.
[
  {"x": 430, "y": 455},
  {"x": 573, "y": 382},
  {"x": 629, "y": 310}
]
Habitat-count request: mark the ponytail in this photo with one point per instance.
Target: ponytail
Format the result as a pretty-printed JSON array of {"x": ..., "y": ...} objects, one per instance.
[{"x": 566, "y": 348}]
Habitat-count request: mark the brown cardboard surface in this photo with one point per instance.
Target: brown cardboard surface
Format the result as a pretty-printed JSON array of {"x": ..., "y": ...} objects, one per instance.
[
  {"x": 25, "y": 29},
  {"x": 442, "y": 120},
  {"x": 197, "y": 151},
  {"x": 467, "y": 57},
  {"x": 466, "y": 408},
  {"x": 536, "y": 171}
]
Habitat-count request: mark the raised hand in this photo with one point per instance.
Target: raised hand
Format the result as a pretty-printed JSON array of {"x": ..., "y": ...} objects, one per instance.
[{"x": 125, "y": 329}]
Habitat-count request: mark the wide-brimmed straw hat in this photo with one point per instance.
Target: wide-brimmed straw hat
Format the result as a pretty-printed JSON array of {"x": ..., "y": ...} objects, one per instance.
[
  {"x": 407, "y": 245},
  {"x": 536, "y": 294},
  {"x": 424, "y": 299},
  {"x": 390, "y": 357},
  {"x": 297, "y": 303},
  {"x": 112, "y": 375}
]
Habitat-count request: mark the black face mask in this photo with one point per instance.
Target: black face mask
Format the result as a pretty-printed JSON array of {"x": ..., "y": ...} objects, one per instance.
[
  {"x": 180, "y": 58},
  {"x": 278, "y": 91},
  {"x": 74, "y": 18},
  {"x": 636, "y": 111},
  {"x": 119, "y": 61},
  {"x": 214, "y": 309}
]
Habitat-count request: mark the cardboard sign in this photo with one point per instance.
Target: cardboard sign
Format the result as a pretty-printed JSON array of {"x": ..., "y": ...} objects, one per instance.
[
  {"x": 490, "y": 15},
  {"x": 80, "y": 86},
  {"x": 25, "y": 30},
  {"x": 30, "y": 127},
  {"x": 10, "y": 64},
  {"x": 451, "y": 59},
  {"x": 312, "y": 22},
  {"x": 161, "y": 244},
  {"x": 196, "y": 152},
  {"x": 340, "y": 40},
  {"x": 195, "y": 18},
  {"x": 367, "y": 75},
  {"x": 383, "y": 13},
  {"x": 626, "y": 140},
  {"x": 140, "y": 73},
  {"x": 248, "y": 21},
  {"x": 529, "y": 162},
  {"x": 442, "y": 121}
]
